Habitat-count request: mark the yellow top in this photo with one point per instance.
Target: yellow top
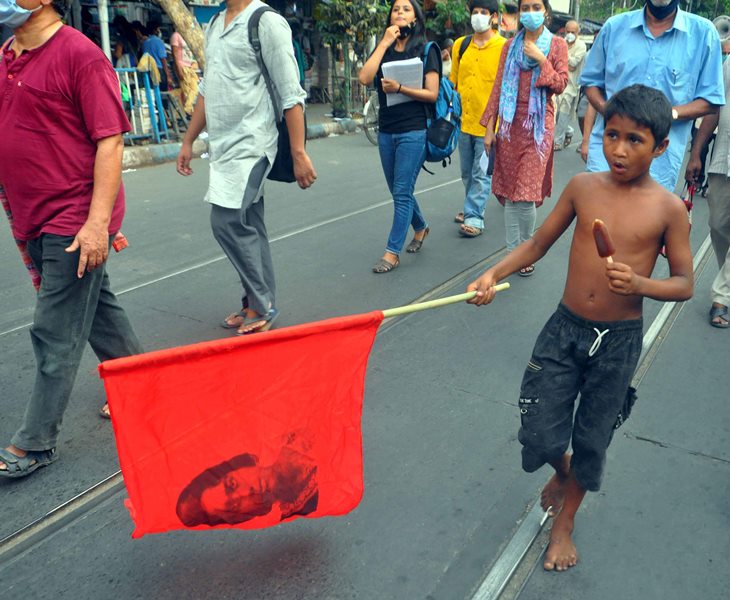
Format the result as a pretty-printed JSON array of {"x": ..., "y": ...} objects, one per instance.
[{"x": 474, "y": 77}]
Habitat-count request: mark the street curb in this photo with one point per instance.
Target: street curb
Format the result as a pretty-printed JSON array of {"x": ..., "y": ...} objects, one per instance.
[{"x": 155, "y": 154}]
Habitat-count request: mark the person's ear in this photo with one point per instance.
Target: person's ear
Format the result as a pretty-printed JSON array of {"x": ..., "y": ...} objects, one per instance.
[{"x": 661, "y": 148}]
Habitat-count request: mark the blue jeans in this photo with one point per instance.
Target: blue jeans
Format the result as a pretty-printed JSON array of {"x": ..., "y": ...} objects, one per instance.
[
  {"x": 477, "y": 184},
  {"x": 402, "y": 156}
]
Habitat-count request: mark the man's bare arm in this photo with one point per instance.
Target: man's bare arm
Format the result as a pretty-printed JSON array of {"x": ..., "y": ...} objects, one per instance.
[
  {"x": 695, "y": 109},
  {"x": 303, "y": 168},
  {"x": 196, "y": 125},
  {"x": 597, "y": 98},
  {"x": 93, "y": 238},
  {"x": 702, "y": 137}
]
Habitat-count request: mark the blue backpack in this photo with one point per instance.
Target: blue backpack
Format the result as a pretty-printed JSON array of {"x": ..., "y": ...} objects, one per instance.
[{"x": 444, "y": 125}]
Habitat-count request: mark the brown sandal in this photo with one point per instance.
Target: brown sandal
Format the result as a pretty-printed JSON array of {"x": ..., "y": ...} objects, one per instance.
[
  {"x": 383, "y": 266},
  {"x": 415, "y": 245},
  {"x": 459, "y": 218},
  {"x": 469, "y": 231}
]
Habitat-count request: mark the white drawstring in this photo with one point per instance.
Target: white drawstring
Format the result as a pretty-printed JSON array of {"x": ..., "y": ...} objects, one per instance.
[{"x": 597, "y": 344}]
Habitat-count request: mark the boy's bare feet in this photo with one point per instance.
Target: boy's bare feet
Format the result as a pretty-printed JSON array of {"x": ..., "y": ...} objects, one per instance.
[
  {"x": 561, "y": 553},
  {"x": 553, "y": 494}
]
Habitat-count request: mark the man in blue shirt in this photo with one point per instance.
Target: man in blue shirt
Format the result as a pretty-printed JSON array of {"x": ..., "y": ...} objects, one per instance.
[
  {"x": 665, "y": 48},
  {"x": 151, "y": 44}
]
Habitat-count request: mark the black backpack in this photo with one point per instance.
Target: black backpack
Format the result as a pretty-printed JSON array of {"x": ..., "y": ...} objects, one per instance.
[{"x": 283, "y": 167}]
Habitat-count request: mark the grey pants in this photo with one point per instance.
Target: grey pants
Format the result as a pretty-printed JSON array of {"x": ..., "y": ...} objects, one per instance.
[
  {"x": 718, "y": 201},
  {"x": 566, "y": 112},
  {"x": 519, "y": 222},
  {"x": 241, "y": 233},
  {"x": 69, "y": 312}
]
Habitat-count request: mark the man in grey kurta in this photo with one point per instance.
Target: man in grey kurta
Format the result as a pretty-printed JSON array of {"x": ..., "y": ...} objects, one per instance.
[
  {"x": 235, "y": 106},
  {"x": 718, "y": 200}
]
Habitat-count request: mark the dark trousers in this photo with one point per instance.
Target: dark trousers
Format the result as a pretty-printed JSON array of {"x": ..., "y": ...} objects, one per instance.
[
  {"x": 241, "y": 233},
  {"x": 69, "y": 312}
]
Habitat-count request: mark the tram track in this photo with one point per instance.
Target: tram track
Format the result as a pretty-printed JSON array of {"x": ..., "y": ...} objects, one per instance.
[{"x": 518, "y": 556}]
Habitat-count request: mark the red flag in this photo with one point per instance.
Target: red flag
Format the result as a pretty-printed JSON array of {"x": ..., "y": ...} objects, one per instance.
[{"x": 244, "y": 432}]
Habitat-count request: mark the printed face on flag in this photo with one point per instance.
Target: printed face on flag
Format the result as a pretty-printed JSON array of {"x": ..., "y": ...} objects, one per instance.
[
  {"x": 245, "y": 432},
  {"x": 240, "y": 489}
]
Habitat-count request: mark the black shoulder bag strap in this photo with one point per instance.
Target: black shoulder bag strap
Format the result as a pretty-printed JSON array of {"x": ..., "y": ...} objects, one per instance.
[
  {"x": 283, "y": 167},
  {"x": 253, "y": 36},
  {"x": 464, "y": 45}
]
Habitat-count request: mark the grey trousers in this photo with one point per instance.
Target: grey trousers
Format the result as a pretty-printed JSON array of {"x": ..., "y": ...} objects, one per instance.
[
  {"x": 718, "y": 201},
  {"x": 566, "y": 112},
  {"x": 519, "y": 222},
  {"x": 242, "y": 235},
  {"x": 69, "y": 312}
]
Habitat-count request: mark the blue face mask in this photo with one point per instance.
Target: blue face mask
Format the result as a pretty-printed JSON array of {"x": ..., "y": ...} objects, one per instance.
[
  {"x": 532, "y": 21},
  {"x": 14, "y": 16}
]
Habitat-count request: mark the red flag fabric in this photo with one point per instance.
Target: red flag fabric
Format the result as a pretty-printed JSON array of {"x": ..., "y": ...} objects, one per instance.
[{"x": 245, "y": 432}]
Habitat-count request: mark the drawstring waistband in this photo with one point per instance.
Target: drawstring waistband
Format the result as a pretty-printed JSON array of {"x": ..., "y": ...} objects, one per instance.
[{"x": 597, "y": 343}]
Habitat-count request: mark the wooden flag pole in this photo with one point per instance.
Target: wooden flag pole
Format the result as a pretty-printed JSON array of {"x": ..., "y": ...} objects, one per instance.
[{"x": 411, "y": 308}]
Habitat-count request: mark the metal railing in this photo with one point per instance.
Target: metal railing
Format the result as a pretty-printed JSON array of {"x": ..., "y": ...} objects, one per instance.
[{"x": 144, "y": 106}]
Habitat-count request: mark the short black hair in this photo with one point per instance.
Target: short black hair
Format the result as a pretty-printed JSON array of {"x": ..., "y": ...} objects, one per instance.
[
  {"x": 491, "y": 5},
  {"x": 645, "y": 106}
]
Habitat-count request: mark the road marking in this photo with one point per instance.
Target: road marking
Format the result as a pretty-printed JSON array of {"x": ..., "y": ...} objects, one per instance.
[{"x": 274, "y": 239}]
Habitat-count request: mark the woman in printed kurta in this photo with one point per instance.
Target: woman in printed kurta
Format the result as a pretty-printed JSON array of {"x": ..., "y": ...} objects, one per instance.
[{"x": 533, "y": 68}]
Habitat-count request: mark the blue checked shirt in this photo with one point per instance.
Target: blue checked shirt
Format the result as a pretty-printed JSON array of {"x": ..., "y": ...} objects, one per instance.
[{"x": 684, "y": 62}]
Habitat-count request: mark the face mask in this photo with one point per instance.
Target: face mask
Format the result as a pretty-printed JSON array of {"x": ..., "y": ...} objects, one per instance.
[
  {"x": 480, "y": 23},
  {"x": 14, "y": 16},
  {"x": 407, "y": 30},
  {"x": 570, "y": 37},
  {"x": 532, "y": 21},
  {"x": 661, "y": 9}
]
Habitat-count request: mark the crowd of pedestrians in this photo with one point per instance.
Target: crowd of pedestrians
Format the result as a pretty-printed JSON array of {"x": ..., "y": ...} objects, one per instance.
[{"x": 650, "y": 73}]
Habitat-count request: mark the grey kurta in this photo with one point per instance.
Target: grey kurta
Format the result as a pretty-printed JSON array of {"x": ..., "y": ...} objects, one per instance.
[{"x": 238, "y": 110}]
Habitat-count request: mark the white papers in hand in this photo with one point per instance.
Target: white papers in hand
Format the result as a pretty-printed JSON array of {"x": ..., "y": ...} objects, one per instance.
[
  {"x": 406, "y": 72},
  {"x": 484, "y": 162}
]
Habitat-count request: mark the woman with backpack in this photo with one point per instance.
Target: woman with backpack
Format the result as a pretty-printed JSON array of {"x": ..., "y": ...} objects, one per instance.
[
  {"x": 533, "y": 68},
  {"x": 402, "y": 126}
]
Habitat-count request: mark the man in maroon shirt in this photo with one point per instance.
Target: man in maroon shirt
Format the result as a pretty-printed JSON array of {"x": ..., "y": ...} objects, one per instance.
[{"x": 61, "y": 145}]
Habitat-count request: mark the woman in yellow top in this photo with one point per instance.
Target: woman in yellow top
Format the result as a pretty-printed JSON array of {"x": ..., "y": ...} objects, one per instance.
[{"x": 475, "y": 59}]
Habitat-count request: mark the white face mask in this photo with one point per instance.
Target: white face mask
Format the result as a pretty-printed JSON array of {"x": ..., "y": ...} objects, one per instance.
[
  {"x": 570, "y": 37},
  {"x": 481, "y": 23}
]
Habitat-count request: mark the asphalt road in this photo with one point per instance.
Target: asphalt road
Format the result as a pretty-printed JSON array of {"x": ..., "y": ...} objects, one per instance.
[{"x": 443, "y": 488}]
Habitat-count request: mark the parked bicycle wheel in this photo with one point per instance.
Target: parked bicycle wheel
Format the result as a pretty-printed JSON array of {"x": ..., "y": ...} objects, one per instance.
[{"x": 370, "y": 118}]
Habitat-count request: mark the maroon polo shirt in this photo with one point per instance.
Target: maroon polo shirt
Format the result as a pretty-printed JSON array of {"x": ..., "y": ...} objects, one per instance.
[{"x": 56, "y": 102}]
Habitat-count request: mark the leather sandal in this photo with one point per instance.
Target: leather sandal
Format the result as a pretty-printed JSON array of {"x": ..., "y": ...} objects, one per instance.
[
  {"x": 459, "y": 218},
  {"x": 383, "y": 266},
  {"x": 415, "y": 245},
  {"x": 266, "y": 320},
  {"x": 469, "y": 231},
  {"x": 720, "y": 313},
  {"x": 21, "y": 466}
]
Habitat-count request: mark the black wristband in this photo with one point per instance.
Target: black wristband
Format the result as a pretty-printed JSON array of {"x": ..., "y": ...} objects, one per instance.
[{"x": 400, "y": 85}]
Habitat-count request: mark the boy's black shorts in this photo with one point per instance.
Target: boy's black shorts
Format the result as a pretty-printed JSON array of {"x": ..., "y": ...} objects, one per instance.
[{"x": 573, "y": 355}]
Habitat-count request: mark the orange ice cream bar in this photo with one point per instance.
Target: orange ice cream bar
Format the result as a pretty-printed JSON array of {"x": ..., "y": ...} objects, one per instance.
[{"x": 604, "y": 243}]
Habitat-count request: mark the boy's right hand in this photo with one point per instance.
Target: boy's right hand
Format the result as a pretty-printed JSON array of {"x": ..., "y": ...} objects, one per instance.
[{"x": 484, "y": 287}]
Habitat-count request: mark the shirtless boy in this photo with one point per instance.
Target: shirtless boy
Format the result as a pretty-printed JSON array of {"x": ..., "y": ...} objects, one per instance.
[{"x": 591, "y": 344}]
